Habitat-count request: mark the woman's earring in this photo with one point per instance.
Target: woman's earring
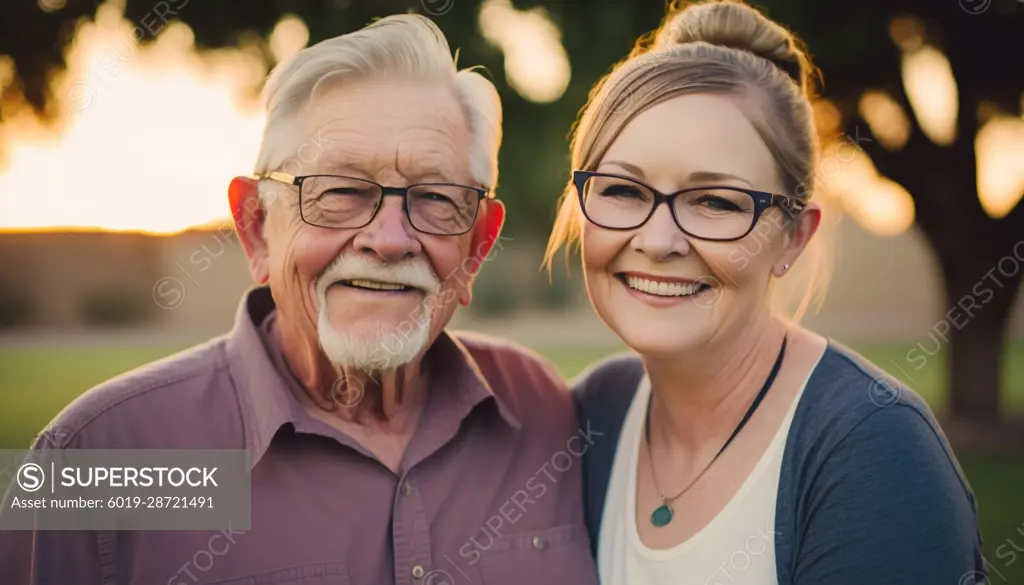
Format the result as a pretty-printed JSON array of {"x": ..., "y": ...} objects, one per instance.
[{"x": 785, "y": 267}]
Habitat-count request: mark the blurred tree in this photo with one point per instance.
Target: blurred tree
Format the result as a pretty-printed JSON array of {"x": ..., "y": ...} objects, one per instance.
[{"x": 859, "y": 46}]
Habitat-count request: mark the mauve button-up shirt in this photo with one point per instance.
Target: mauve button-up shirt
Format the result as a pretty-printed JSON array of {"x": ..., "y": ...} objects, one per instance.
[{"x": 489, "y": 491}]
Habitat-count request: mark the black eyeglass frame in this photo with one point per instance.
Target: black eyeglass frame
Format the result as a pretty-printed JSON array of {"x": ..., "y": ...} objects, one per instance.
[
  {"x": 403, "y": 192},
  {"x": 791, "y": 205}
]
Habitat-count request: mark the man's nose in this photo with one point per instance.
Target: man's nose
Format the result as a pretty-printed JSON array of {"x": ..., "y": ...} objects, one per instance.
[{"x": 389, "y": 236}]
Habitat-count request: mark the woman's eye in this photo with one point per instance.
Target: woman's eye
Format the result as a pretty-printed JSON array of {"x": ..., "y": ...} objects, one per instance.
[
  {"x": 621, "y": 191},
  {"x": 717, "y": 203}
]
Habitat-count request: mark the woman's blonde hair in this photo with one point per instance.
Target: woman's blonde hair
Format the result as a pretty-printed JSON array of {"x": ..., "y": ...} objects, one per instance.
[{"x": 720, "y": 47}]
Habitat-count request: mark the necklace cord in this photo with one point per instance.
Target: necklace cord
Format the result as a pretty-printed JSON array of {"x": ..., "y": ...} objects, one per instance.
[{"x": 750, "y": 412}]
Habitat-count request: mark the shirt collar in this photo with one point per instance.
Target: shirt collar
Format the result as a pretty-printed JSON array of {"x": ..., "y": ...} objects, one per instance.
[{"x": 267, "y": 404}]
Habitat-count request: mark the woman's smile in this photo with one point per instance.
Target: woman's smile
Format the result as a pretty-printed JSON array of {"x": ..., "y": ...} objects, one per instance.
[{"x": 662, "y": 291}]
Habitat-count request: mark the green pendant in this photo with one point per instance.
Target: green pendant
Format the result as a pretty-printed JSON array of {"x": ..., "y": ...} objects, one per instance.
[{"x": 661, "y": 516}]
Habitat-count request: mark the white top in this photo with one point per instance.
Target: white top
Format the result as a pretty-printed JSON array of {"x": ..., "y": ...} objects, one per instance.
[{"x": 737, "y": 547}]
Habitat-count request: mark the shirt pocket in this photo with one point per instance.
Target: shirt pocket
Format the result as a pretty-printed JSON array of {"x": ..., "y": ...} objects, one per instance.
[
  {"x": 552, "y": 556},
  {"x": 310, "y": 574}
]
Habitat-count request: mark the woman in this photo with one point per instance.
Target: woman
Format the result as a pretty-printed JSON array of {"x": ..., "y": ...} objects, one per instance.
[{"x": 737, "y": 447}]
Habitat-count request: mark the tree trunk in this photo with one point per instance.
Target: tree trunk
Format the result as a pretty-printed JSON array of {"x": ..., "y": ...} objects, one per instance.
[
  {"x": 981, "y": 260},
  {"x": 980, "y": 299}
]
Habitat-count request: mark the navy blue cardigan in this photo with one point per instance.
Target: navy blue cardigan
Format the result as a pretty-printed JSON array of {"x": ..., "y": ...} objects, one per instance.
[{"x": 870, "y": 491}]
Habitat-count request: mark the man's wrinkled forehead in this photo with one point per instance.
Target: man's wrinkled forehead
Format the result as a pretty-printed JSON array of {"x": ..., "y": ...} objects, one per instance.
[{"x": 367, "y": 131}]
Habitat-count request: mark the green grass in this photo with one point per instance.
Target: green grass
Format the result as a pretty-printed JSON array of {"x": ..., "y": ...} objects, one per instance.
[{"x": 36, "y": 383}]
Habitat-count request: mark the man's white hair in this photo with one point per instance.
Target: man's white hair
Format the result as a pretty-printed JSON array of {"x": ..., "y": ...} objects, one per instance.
[{"x": 405, "y": 45}]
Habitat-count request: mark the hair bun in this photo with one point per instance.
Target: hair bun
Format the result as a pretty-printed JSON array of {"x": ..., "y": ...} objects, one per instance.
[{"x": 736, "y": 25}]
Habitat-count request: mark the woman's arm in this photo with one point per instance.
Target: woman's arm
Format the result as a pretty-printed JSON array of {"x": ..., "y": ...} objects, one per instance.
[
  {"x": 602, "y": 394},
  {"x": 888, "y": 506}
]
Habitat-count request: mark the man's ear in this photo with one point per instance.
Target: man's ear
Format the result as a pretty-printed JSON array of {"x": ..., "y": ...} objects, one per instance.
[
  {"x": 485, "y": 234},
  {"x": 250, "y": 217}
]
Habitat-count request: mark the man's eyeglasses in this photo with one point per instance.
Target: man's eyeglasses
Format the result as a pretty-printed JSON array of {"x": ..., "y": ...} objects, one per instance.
[
  {"x": 338, "y": 202},
  {"x": 713, "y": 212}
]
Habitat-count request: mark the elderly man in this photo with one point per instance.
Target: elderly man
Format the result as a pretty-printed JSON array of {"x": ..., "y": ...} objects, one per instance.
[{"x": 384, "y": 449}]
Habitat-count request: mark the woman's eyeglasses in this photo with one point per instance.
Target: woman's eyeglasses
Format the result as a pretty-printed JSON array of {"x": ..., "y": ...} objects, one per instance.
[{"x": 717, "y": 213}]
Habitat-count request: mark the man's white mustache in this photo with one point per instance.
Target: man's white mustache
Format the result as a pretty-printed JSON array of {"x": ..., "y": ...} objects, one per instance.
[{"x": 411, "y": 273}]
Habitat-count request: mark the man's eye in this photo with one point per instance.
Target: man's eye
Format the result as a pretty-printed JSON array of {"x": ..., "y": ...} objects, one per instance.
[
  {"x": 434, "y": 196},
  {"x": 344, "y": 191}
]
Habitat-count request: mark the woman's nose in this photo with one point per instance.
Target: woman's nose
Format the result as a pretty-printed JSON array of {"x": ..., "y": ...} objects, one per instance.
[{"x": 660, "y": 237}]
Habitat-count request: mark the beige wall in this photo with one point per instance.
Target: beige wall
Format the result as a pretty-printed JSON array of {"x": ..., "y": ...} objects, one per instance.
[
  {"x": 202, "y": 277},
  {"x": 887, "y": 288},
  {"x": 192, "y": 282},
  {"x": 59, "y": 270}
]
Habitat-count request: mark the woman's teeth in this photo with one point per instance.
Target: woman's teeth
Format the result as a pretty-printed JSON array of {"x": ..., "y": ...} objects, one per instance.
[{"x": 664, "y": 289}]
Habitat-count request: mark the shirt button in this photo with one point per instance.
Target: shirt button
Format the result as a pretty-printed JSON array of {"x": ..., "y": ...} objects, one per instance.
[
  {"x": 540, "y": 543},
  {"x": 407, "y": 488},
  {"x": 417, "y": 572}
]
